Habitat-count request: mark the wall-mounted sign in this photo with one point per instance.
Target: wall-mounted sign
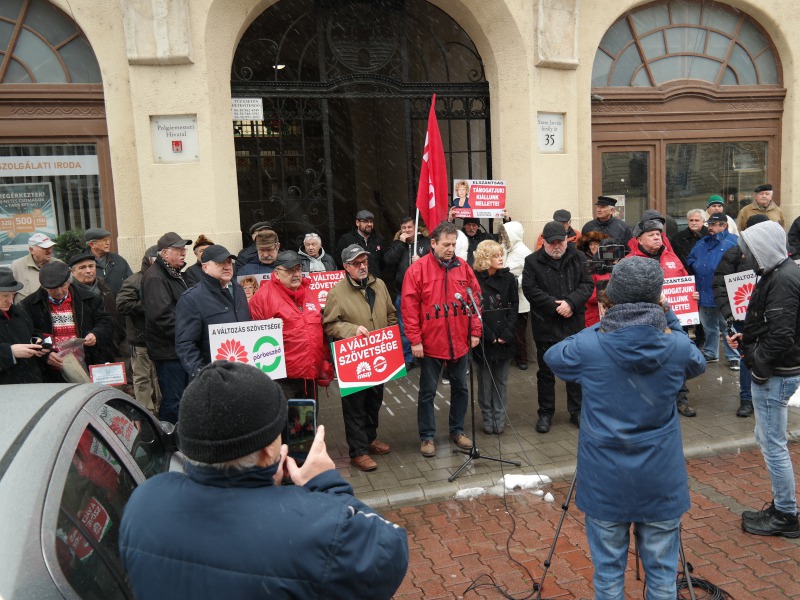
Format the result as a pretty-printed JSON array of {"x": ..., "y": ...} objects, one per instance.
[
  {"x": 48, "y": 166},
  {"x": 551, "y": 132},
  {"x": 247, "y": 109},
  {"x": 25, "y": 209},
  {"x": 174, "y": 138}
]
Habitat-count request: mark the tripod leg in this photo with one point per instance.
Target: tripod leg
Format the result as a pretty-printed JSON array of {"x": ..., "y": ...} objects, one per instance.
[
  {"x": 548, "y": 560},
  {"x": 686, "y": 571}
]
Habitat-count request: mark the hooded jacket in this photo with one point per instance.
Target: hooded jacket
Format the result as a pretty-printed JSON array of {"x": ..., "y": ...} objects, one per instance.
[
  {"x": 198, "y": 307},
  {"x": 429, "y": 285},
  {"x": 545, "y": 280},
  {"x": 733, "y": 261},
  {"x": 631, "y": 466},
  {"x": 515, "y": 254},
  {"x": 772, "y": 327},
  {"x": 703, "y": 260},
  {"x": 238, "y": 535},
  {"x": 672, "y": 265},
  {"x": 323, "y": 260}
]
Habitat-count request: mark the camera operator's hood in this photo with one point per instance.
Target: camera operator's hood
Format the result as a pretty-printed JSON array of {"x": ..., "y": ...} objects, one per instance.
[{"x": 766, "y": 243}]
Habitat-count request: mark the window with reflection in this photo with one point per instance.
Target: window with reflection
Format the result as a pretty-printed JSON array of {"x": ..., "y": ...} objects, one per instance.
[
  {"x": 137, "y": 433},
  {"x": 685, "y": 39}
]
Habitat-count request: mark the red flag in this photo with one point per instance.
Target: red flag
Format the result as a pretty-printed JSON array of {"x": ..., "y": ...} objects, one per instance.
[{"x": 432, "y": 198}]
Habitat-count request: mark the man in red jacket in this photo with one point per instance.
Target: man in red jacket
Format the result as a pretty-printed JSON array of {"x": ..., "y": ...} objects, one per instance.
[{"x": 441, "y": 331}]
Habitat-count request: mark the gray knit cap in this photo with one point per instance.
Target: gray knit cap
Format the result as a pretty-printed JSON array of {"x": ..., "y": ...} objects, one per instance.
[
  {"x": 229, "y": 410},
  {"x": 636, "y": 279}
]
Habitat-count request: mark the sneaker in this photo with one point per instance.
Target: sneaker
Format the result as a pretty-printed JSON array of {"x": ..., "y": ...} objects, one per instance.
[
  {"x": 445, "y": 381},
  {"x": 778, "y": 523},
  {"x": 461, "y": 441},
  {"x": 364, "y": 462},
  {"x": 686, "y": 410},
  {"x": 428, "y": 448},
  {"x": 734, "y": 364},
  {"x": 769, "y": 509},
  {"x": 745, "y": 409},
  {"x": 378, "y": 447}
]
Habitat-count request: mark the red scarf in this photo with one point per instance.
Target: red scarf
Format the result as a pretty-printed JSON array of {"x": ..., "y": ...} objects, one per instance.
[{"x": 297, "y": 297}]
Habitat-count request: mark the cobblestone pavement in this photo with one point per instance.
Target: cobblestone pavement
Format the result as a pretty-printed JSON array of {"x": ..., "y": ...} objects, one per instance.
[{"x": 454, "y": 542}]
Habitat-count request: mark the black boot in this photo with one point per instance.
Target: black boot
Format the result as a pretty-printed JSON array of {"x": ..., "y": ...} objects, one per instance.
[
  {"x": 778, "y": 523},
  {"x": 745, "y": 409}
]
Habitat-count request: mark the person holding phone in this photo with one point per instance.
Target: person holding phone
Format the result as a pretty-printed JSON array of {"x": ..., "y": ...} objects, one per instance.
[
  {"x": 228, "y": 529},
  {"x": 19, "y": 345}
]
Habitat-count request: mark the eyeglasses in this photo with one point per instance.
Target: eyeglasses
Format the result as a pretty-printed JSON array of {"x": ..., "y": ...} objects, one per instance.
[
  {"x": 367, "y": 220},
  {"x": 359, "y": 263},
  {"x": 295, "y": 269}
]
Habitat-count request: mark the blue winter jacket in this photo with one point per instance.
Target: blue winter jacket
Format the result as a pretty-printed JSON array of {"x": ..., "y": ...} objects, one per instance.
[
  {"x": 631, "y": 466},
  {"x": 703, "y": 260},
  {"x": 212, "y": 534}
]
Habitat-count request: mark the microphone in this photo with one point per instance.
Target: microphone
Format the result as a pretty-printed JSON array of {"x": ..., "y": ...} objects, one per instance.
[
  {"x": 472, "y": 301},
  {"x": 464, "y": 305}
]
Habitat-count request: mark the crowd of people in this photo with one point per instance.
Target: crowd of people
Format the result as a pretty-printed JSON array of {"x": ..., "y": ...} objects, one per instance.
[{"x": 93, "y": 309}]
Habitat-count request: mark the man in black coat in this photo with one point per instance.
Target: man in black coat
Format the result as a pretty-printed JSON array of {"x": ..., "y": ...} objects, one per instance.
[
  {"x": 557, "y": 284},
  {"x": 19, "y": 358},
  {"x": 365, "y": 236},
  {"x": 66, "y": 311},
  {"x": 606, "y": 222},
  {"x": 215, "y": 300},
  {"x": 162, "y": 285},
  {"x": 683, "y": 242},
  {"x": 111, "y": 267}
]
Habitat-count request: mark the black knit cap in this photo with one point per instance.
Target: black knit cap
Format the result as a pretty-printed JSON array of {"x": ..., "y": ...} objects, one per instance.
[{"x": 229, "y": 410}]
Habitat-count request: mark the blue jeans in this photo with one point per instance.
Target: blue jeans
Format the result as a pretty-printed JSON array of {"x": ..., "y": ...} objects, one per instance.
[
  {"x": 172, "y": 379},
  {"x": 658, "y": 544},
  {"x": 430, "y": 371},
  {"x": 712, "y": 322},
  {"x": 407, "y": 355},
  {"x": 769, "y": 405}
]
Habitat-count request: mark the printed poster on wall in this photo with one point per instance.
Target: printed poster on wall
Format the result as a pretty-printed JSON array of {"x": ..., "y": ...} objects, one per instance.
[
  {"x": 256, "y": 343},
  {"x": 479, "y": 198},
  {"x": 25, "y": 209},
  {"x": 739, "y": 287},
  {"x": 678, "y": 291},
  {"x": 366, "y": 361}
]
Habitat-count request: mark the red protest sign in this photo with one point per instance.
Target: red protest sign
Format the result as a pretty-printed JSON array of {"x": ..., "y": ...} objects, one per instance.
[
  {"x": 321, "y": 284},
  {"x": 679, "y": 292},
  {"x": 366, "y": 361}
]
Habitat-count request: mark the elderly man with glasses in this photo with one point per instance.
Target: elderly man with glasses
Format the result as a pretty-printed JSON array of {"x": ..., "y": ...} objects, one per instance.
[
  {"x": 358, "y": 304},
  {"x": 286, "y": 296}
]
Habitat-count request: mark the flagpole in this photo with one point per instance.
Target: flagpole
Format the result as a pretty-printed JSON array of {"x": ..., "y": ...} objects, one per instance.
[{"x": 416, "y": 230}]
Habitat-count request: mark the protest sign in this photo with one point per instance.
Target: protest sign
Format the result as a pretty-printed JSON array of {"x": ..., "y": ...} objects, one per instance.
[
  {"x": 108, "y": 373},
  {"x": 739, "y": 287},
  {"x": 366, "y": 361},
  {"x": 479, "y": 198},
  {"x": 257, "y": 343},
  {"x": 679, "y": 293},
  {"x": 321, "y": 284},
  {"x": 259, "y": 277}
]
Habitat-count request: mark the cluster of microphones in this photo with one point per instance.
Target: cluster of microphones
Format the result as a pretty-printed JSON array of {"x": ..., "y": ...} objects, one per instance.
[{"x": 467, "y": 307}]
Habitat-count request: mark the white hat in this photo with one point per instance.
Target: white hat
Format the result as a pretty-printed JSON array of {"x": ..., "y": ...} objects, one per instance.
[{"x": 41, "y": 240}]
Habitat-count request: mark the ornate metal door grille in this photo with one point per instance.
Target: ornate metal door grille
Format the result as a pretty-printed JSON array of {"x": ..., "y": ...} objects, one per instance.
[{"x": 346, "y": 87}]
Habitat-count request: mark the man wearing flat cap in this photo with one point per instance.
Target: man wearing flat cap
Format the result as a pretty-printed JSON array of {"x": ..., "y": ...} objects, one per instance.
[
  {"x": 358, "y": 304},
  {"x": 267, "y": 248},
  {"x": 605, "y": 221},
  {"x": 227, "y": 528},
  {"x": 68, "y": 312},
  {"x": 216, "y": 299},
  {"x": 250, "y": 253},
  {"x": 565, "y": 217},
  {"x": 557, "y": 284},
  {"x": 19, "y": 358},
  {"x": 286, "y": 296},
  {"x": 702, "y": 262},
  {"x": 762, "y": 204},
  {"x": 162, "y": 286},
  {"x": 26, "y": 268},
  {"x": 631, "y": 366},
  {"x": 369, "y": 240},
  {"x": 111, "y": 267}
]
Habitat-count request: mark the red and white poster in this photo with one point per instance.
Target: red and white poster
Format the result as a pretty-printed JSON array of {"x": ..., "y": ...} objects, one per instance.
[
  {"x": 679, "y": 293},
  {"x": 366, "y": 361},
  {"x": 321, "y": 284},
  {"x": 739, "y": 287},
  {"x": 478, "y": 198}
]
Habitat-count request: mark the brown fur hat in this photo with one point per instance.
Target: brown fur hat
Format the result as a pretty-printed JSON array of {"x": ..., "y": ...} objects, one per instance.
[{"x": 590, "y": 236}]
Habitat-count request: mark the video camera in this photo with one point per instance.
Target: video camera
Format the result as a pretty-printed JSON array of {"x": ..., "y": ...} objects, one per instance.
[{"x": 607, "y": 255}]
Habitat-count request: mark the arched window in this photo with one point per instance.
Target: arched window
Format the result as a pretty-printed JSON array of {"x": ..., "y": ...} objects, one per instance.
[
  {"x": 678, "y": 40},
  {"x": 40, "y": 44}
]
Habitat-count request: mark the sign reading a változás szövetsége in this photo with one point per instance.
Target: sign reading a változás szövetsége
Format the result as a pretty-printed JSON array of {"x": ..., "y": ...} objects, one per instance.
[
  {"x": 366, "y": 361},
  {"x": 256, "y": 343}
]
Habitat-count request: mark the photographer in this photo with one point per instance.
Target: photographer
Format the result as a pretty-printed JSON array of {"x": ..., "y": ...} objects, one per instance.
[
  {"x": 227, "y": 529},
  {"x": 631, "y": 467},
  {"x": 607, "y": 254}
]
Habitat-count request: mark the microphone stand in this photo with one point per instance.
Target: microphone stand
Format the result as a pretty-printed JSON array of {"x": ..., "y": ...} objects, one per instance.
[{"x": 473, "y": 453}]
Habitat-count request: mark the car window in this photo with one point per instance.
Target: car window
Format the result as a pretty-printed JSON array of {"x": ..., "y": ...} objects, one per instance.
[
  {"x": 97, "y": 488},
  {"x": 137, "y": 433}
]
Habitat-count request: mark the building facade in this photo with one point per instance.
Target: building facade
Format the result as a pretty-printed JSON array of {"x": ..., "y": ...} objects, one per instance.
[{"x": 121, "y": 114}]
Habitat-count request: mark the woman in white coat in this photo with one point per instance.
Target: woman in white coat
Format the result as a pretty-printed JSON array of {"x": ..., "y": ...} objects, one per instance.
[{"x": 515, "y": 252}]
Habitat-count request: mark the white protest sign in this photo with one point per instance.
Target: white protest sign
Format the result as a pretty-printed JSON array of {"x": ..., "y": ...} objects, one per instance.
[
  {"x": 739, "y": 287},
  {"x": 679, "y": 292},
  {"x": 257, "y": 343}
]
